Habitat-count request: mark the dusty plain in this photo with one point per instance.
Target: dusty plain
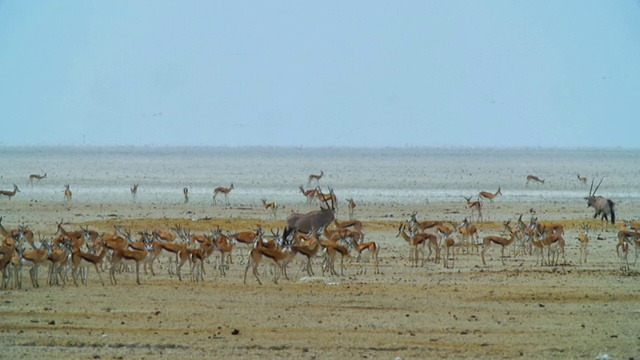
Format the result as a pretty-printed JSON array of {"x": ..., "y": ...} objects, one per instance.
[{"x": 519, "y": 309}]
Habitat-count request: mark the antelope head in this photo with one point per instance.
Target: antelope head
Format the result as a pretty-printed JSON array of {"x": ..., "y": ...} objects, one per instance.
[{"x": 591, "y": 199}]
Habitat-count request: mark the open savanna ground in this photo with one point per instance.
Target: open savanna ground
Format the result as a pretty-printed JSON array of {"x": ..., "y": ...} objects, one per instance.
[{"x": 468, "y": 311}]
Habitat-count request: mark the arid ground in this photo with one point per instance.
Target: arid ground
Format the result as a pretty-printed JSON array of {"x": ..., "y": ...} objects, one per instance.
[{"x": 518, "y": 309}]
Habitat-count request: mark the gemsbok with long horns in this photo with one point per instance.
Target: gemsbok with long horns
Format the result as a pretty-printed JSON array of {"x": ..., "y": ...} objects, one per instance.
[
  {"x": 601, "y": 205},
  {"x": 313, "y": 221}
]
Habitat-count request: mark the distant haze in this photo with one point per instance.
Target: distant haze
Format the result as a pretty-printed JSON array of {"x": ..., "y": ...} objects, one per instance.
[{"x": 328, "y": 73}]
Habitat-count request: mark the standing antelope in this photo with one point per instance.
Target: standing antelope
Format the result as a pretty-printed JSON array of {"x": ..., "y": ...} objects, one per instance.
[
  {"x": 583, "y": 179},
  {"x": 223, "y": 190},
  {"x": 310, "y": 194},
  {"x": 602, "y": 205},
  {"x": 134, "y": 192},
  {"x": 500, "y": 240},
  {"x": 36, "y": 177},
  {"x": 313, "y": 221},
  {"x": 535, "y": 179},
  {"x": 474, "y": 206},
  {"x": 489, "y": 195},
  {"x": 352, "y": 207},
  {"x": 67, "y": 193},
  {"x": 270, "y": 206},
  {"x": 185, "y": 192},
  {"x": 11, "y": 193},
  {"x": 583, "y": 238},
  {"x": 316, "y": 178}
]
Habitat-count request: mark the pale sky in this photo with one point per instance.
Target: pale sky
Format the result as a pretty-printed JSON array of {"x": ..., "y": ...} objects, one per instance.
[{"x": 320, "y": 73}]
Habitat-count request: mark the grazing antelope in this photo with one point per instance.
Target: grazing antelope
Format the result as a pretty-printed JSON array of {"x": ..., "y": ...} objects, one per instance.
[
  {"x": 67, "y": 193},
  {"x": 352, "y": 207},
  {"x": 583, "y": 238},
  {"x": 223, "y": 190},
  {"x": 310, "y": 195},
  {"x": 489, "y": 195},
  {"x": 36, "y": 177},
  {"x": 499, "y": 240},
  {"x": 534, "y": 179},
  {"x": 316, "y": 178},
  {"x": 134, "y": 192},
  {"x": 474, "y": 206},
  {"x": 602, "y": 205},
  {"x": 582, "y": 179},
  {"x": 271, "y": 207},
  {"x": 185, "y": 192},
  {"x": 10, "y": 193}
]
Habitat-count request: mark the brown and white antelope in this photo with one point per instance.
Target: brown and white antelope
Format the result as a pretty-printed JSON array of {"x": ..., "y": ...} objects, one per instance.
[
  {"x": 36, "y": 177},
  {"x": 127, "y": 256},
  {"x": 134, "y": 191},
  {"x": 498, "y": 240},
  {"x": 10, "y": 193},
  {"x": 583, "y": 239},
  {"x": 185, "y": 193},
  {"x": 371, "y": 247},
  {"x": 310, "y": 195},
  {"x": 316, "y": 178},
  {"x": 582, "y": 179},
  {"x": 534, "y": 179},
  {"x": 67, "y": 193},
  {"x": 271, "y": 207},
  {"x": 279, "y": 257},
  {"x": 489, "y": 195},
  {"x": 351, "y": 205},
  {"x": 222, "y": 190},
  {"x": 474, "y": 206}
]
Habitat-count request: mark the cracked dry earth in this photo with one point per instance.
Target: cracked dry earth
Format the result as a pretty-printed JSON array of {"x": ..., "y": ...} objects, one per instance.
[{"x": 471, "y": 311}]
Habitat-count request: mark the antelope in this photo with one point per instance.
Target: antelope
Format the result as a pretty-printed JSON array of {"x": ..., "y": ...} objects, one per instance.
[
  {"x": 583, "y": 238},
  {"x": 468, "y": 231},
  {"x": 474, "y": 206},
  {"x": 10, "y": 193},
  {"x": 81, "y": 260},
  {"x": 76, "y": 237},
  {"x": 554, "y": 243},
  {"x": 312, "y": 221},
  {"x": 36, "y": 177},
  {"x": 170, "y": 249},
  {"x": 331, "y": 249},
  {"x": 310, "y": 194},
  {"x": 121, "y": 257},
  {"x": 489, "y": 195},
  {"x": 448, "y": 242},
  {"x": 416, "y": 225},
  {"x": 355, "y": 224},
  {"x": 582, "y": 179},
  {"x": 134, "y": 192},
  {"x": 499, "y": 240},
  {"x": 33, "y": 259},
  {"x": 308, "y": 248},
  {"x": 270, "y": 206},
  {"x": 326, "y": 197},
  {"x": 627, "y": 236},
  {"x": 185, "y": 193},
  {"x": 371, "y": 247},
  {"x": 248, "y": 238},
  {"x": 315, "y": 177},
  {"x": 414, "y": 240},
  {"x": 5, "y": 260},
  {"x": 352, "y": 207},
  {"x": 602, "y": 205},
  {"x": 534, "y": 179},
  {"x": 224, "y": 191},
  {"x": 67, "y": 193},
  {"x": 631, "y": 225},
  {"x": 58, "y": 259},
  {"x": 279, "y": 257},
  {"x": 224, "y": 245}
]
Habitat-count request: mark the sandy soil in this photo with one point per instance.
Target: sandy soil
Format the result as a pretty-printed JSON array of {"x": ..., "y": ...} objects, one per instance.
[{"x": 471, "y": 311}]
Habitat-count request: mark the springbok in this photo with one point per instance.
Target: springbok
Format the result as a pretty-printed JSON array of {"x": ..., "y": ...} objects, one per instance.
[
  {"x": 223, "y": 190},
  {"x": 315, "y": 177},
  {"x": 134, "y": 191},
  {"x": 489, "y": 195},
  {"x": 36, "y": 177},
  {"x": 67, "y": 193},
  {"x": 535, "y": 179},
  {"x": 352, "y": 207},
  {"x": 9, "y": 193},
  {"x": 602, "y": 205}
]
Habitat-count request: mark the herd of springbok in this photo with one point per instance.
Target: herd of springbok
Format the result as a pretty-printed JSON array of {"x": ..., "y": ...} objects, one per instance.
[{"x": 316, "y": 236}]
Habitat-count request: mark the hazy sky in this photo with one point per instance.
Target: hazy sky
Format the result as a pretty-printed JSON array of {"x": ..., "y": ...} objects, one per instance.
[{"x": 320, "y": 73}]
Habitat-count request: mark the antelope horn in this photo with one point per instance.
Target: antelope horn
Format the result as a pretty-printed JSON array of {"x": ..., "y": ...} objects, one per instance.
[{"x": 594, "y": 191}]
